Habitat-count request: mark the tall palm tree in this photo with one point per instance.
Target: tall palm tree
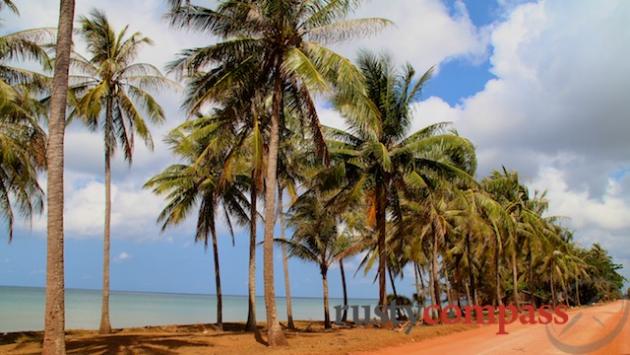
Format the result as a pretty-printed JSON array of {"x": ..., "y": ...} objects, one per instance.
[
  {"x": 54, "y": 342},
  {"x": 290, "y": 169},
  {"x": 275, "y": 46},
  {"x": 473, "y": 224},
  {"x": 527, "y": 222},
  {"x": 111, "y": 92},
  {"x": 435, "y": 212},
  {"x": 255, "y": 144},
  {"x": 382, "y": 157},
  {"x": 285, "y": 261},
  {"x": 351, "y": 227},
  {"x": 315, "y": 238},
  {"x": 206, "y": 181}
]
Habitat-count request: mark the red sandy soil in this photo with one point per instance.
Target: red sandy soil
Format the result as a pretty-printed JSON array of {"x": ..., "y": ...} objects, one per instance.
[
  {"x": 586, "y": 326},
  {"x": 310, "y": 338}
]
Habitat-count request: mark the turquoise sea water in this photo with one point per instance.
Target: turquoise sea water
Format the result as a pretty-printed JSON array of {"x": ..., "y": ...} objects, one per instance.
[{"x": 22, "y": 308}]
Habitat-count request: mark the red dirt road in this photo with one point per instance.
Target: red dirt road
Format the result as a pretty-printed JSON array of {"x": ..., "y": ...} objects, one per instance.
[{"x": 601, "y": 329}]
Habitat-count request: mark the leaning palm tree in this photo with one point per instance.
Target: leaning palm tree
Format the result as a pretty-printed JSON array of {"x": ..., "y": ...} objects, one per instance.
[
  {"x": 383, "y": 158},
  {"x": 274, "y": 46},
  {"x": 54, "y": 334},
  {"x": 111, "y": 92},
  {"x": 204, "y": 181}
]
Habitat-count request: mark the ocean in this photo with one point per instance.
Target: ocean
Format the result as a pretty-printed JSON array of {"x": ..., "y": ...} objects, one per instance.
[{"x": 22, "y": 308}]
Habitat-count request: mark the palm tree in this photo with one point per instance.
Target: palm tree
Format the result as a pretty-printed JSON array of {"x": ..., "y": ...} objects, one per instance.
[
  {"x": 315, "y": 238},
  {"x": 16, "y": 83},
  {"x": 605, "y": 281},
  {"x": 54, "y": 342},
  {"x": 270, "y": 45},
  {"x": 351, "y": 226},
  {"x": 22, "y": 156},
  {"x": 382, "y": 157},
  {"x": 21, "y": 46},
  {"x": 10, "y": 5},
  {"x": 290, "y": 168},
  {"x": 205, "y": 180},
  {"x": 109, "y": 87},
  {"x": 527, "y": 222},
  {"x": 255, "y": 142},
  {"x": 22, "y": 140},
  {"x": 285, "y": 261},
  {"x": 433, "y": 209}
]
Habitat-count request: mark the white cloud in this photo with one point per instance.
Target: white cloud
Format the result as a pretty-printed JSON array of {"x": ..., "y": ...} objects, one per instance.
[
  {"x": 145, "y": 16},
  {"x": 557, "y": 111},
  {"x": 560, "y": 86},
  {"x": 608, "y": 212},
  {"x": 425, "y": 33},
  {"x": 122, "y": 257},
  {"x": 134, "y": 210}
]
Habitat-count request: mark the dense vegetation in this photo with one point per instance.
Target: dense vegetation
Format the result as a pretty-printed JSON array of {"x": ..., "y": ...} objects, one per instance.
[{"x": 399, "y": 200}]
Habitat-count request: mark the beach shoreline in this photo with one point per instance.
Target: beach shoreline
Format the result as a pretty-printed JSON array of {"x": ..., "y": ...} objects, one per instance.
[{"x": 310, "y": 337}]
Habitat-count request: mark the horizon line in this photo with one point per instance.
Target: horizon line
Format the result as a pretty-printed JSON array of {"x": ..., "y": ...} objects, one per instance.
[{"x": 184, "y": 293}]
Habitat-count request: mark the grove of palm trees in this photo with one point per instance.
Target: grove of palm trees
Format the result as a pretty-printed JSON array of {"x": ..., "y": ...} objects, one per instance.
[{"x": 250, "y": 151}]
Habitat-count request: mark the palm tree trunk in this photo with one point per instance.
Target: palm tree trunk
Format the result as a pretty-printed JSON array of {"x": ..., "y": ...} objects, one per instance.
[
  {"x": 275, "y": 336},
  {"x": 324, "y": 271},
  {"x": 497, "y": 280},
  {"x": 530, "y": 267},
  {"x": 217, "y": 277},
  {"x": 577, "y": 291},
  {"x": 105, "y": 326},
  {"x": 54, "y": 323},
  {"x": 471, "y": 275},
  {"x": 449, "y": 289},
  {"x": 435, "y": 278},
  {"x": 421, "y": 278},
  {"x": 469, "y": 301},
  {"x": 553, "y": 291},
  {"x": 391, "y": 281},
  {"x": 515, "y": 277},
  {"x": 285, "y": 263},
  {"x": 344, "y": 317},
  {"x": 382, "y": 256},
  {"x": 253, "y": 217},
  {"x": 566, "y": 293},
  {"x": 417, "y": 279}
]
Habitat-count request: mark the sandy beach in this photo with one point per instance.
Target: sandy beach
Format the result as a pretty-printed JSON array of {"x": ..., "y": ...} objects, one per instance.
[
  {"x": 586, "y": 325},
  {"x": 310, "y": 338}
]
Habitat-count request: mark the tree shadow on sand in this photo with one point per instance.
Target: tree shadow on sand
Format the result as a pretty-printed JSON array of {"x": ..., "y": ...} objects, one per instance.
[
  {"x": 155, "y": 340},
  {"x": 133, "y": 344}
]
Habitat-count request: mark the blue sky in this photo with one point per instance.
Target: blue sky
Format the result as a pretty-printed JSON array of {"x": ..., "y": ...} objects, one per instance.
[{"x": 504, "y": 78}]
